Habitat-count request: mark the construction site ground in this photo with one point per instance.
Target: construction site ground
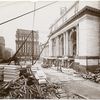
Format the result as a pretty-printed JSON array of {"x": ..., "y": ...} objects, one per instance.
[{"x": 72, "y": 82}]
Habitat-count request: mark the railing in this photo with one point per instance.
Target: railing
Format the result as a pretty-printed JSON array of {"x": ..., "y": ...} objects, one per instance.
[{"x": 69, "y": 13}]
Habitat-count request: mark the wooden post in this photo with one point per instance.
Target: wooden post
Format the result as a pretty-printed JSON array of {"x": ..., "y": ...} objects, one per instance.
[{"x": 32, "y": 47}]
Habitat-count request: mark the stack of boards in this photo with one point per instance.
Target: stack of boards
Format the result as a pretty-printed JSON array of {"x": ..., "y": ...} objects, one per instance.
[
  {"x": 10, "y": 72},
  {"x": 1, "y": 73}
]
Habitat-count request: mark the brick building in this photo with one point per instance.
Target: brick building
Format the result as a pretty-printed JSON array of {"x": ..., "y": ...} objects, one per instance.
[{"x": 26, "y": 51}]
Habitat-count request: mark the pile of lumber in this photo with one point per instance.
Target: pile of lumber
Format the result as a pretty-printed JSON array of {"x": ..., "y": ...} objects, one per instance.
[
  {"x": 39, "y": 74},
  {"x": 1, "y": 72},
  {"x": 26, "y": 86},
  {"x": 11, "y": 72}
]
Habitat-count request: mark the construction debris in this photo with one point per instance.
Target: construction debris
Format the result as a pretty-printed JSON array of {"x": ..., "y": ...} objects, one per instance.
[
  {"x": 24, "y": 85},
  {"x": 27, "y": 88},
  {"x": 91, "y": 76}
]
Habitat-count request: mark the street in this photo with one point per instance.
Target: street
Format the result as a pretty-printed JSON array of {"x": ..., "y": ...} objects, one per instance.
[{"x": 73, "y": 83}]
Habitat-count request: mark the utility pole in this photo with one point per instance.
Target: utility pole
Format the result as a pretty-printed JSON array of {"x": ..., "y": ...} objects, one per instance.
[
  {"x": 32, "y": 47},
  {"x": 33, "y": 35}
]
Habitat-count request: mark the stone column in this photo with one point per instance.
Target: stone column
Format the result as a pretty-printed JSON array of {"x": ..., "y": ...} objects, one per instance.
[
  {"x": 77, "y": 40},
  {"x": 50, "y": 47},
  {"x": 53, "y": 47},
  {"x": 70, "y": 44},
  {"x": 57, "y": 46},
  {"x": 61, "y": 45},
  {"x": 64, "y": 44},
  {"x": 66, "y": 53}
]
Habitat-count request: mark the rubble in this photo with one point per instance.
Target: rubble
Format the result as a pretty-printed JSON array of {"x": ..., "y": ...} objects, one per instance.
[
  {"x": 29, "y": 88},
  {"x": 91, "y": 76}
]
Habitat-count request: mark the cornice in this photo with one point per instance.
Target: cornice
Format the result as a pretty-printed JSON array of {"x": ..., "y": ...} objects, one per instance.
[{"x": 85, "y": 10}]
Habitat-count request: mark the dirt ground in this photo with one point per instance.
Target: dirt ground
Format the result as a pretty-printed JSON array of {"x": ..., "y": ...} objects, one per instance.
[{"x": 73, "y": 83}]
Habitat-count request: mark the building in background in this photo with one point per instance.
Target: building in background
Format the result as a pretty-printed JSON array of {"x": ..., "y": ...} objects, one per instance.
[
  {"x": 76, "y": 35},
  {"x": 45, "y": 52},
  {"x": 2, "y": 48},
  {"x": 8, "y": 53},
  {"x": 26, "y": 51}
]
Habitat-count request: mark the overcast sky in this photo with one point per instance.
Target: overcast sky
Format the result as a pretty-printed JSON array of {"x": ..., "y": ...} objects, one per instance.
[{"x": 44, "y": 18}]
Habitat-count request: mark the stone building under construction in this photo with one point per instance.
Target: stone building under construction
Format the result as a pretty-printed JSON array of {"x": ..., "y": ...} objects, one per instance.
[{"x": 75, "y": 36}]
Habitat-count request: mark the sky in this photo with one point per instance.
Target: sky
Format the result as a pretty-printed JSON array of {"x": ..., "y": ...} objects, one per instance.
[{"x": 44, "y": 18}]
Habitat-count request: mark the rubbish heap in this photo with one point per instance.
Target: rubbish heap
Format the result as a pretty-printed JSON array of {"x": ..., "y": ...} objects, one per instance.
[{"x": 93, "y": 76}]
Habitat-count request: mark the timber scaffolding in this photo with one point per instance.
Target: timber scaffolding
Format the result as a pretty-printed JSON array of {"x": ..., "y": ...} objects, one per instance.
[{"x": 58, "y": 61}]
